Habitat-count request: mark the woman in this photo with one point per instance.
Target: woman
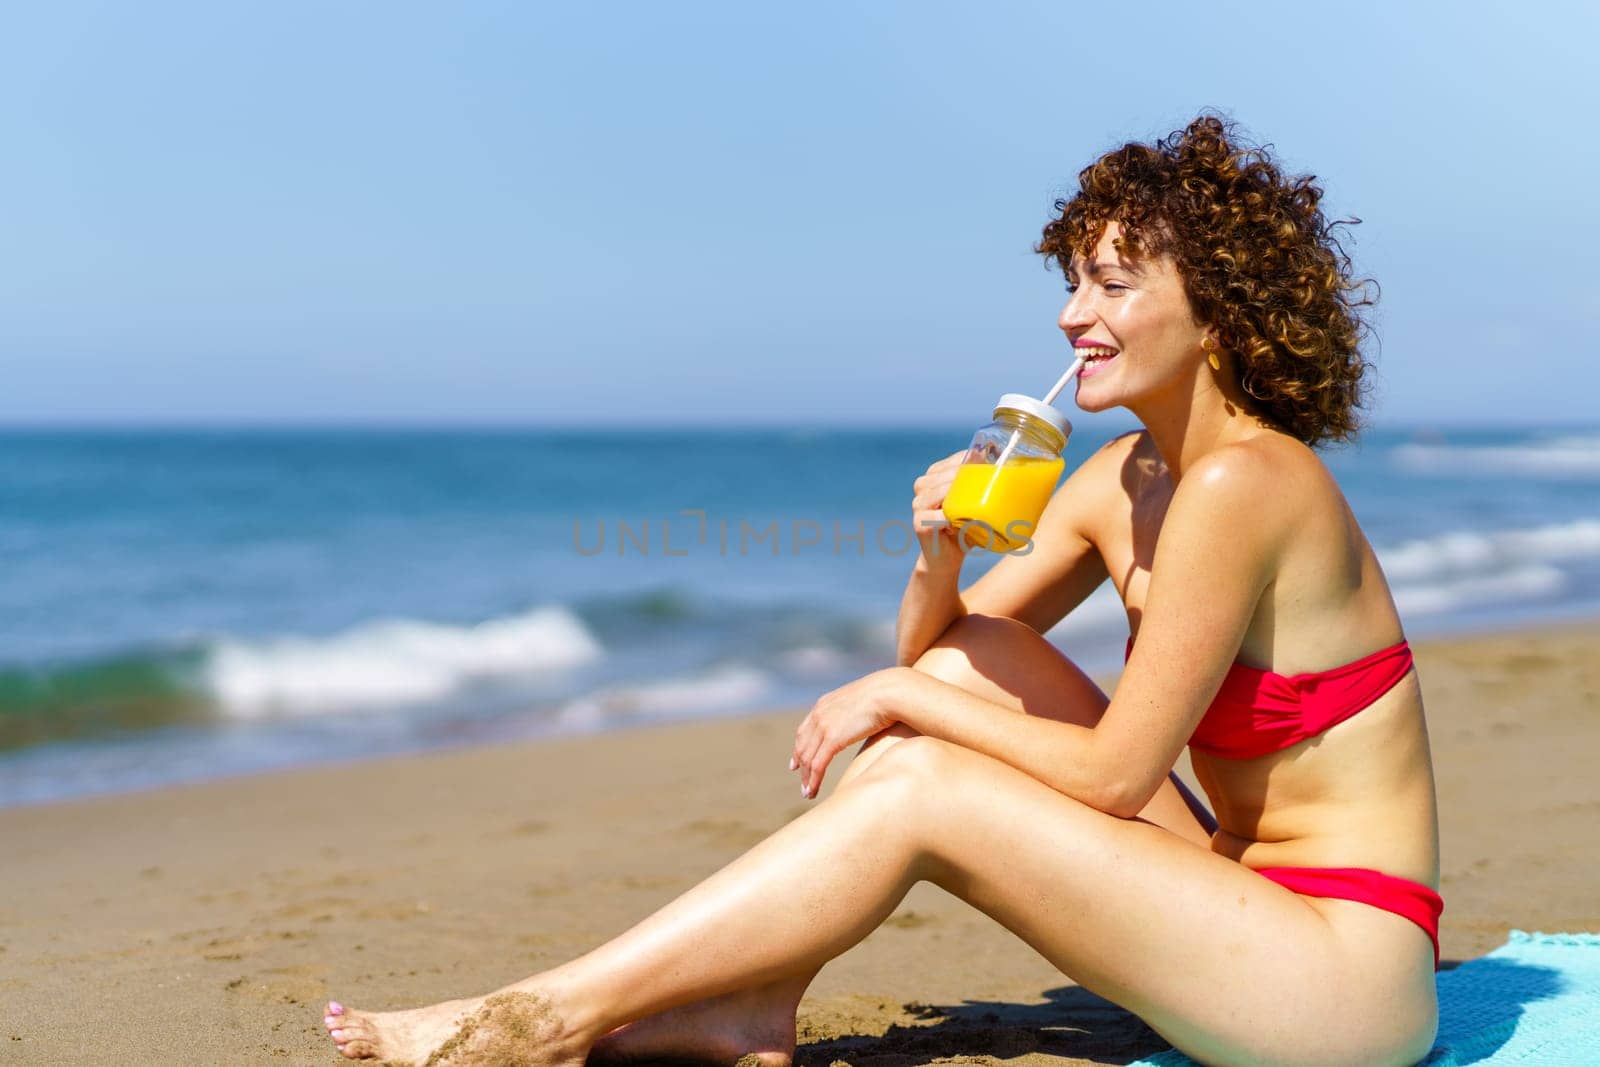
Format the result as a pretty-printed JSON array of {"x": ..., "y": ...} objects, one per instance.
[{"x": 1212, "y": 300}]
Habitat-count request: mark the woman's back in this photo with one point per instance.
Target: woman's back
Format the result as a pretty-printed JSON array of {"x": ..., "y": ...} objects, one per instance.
[{"x": 1360, "y": 792}]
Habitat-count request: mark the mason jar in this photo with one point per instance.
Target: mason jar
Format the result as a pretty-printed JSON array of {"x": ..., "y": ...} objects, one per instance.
[{"x": 1011, "y": 469}]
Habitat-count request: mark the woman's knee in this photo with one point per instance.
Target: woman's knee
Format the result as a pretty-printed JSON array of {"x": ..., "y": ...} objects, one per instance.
[
  {"x": 968, "y": 639},
  {"x": 873, "y": 748},
  {"x": 916, "y": 760},
  {"x": 1009, "y": 663}
]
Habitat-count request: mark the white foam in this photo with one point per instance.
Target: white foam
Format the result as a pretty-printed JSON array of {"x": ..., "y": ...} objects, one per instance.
[
  {"x": 732, "y": 687},
  {"x": 391, "y": 662},
  {"x": 1467, "y": 554},
  {"x": 1531, "y": 582},
  {"x": 1560, "y": 457},
  {"x": 1456, "y": 570},
  {"x": 814, "y": 660},
  {"x": 880, "y": 636}
]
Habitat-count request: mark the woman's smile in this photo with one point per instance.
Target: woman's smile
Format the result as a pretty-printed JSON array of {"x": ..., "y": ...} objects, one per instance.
[
  {"x": 1094, "y": 355},
  {"x": 1094, "y": 364}
]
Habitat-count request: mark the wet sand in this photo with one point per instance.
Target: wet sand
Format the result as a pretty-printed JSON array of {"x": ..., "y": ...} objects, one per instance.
[{"x": 206, "y": 924}]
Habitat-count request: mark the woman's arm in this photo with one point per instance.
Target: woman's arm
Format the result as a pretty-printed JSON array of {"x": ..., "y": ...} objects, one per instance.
[
  {"x": 931, "y": 602},
  {"x": 1218, "y": 550},
  {"x": 1038, "y": 588},
  {"x": 1234, "y": 516}
]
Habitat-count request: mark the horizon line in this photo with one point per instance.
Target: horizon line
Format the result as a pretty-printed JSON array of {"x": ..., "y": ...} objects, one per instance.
[{"x": 524, "y": 425}]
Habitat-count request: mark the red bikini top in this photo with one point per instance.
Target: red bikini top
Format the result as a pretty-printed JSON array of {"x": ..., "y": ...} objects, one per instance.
[{"x": 1257, "y": 712}]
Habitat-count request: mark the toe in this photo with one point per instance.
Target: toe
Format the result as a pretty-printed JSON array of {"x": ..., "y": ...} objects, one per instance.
[
  {"x": 359, "y": 1050},
  {"x": 334, "y": 1008},
  {"x": 352, "y": 1029}
]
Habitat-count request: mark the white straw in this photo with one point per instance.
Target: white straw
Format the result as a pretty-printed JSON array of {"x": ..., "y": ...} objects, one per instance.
[{"x": 1077, "y": 365}]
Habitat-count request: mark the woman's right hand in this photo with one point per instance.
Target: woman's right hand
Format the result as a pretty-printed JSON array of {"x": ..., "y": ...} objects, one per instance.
[{"x": 941, "y": 543}]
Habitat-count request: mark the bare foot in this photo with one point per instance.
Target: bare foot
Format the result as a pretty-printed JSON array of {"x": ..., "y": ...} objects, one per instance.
[
  {"x": 400, "y": 1036},
  {"x": 513, "y": 1030},
  {"x": 722, "y": 1030}
]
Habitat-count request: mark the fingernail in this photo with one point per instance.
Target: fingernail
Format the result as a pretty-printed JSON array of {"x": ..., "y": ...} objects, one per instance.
[
  {"x": 792, "y": 763},
  {"x": 802, "y": 790}
]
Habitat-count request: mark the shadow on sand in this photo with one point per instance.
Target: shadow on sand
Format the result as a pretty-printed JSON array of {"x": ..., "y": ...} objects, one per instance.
[
  {"x": 1071, "y": 1023},
  {"x": 1480, "y": 1009}
]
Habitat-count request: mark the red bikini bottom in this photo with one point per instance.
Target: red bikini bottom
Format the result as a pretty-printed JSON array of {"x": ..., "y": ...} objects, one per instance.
[{"x": 1407, "y": 899}]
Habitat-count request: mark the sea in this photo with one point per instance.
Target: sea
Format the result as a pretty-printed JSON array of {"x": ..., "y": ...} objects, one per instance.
[{"x": 179, "y": 605}]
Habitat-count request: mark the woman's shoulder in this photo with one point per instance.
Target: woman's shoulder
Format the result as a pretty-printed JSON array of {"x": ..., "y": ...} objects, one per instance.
[
  {"x": 1272, "y": 483},
  {"x": 1280, "y": 467},
  {"x": 1274, "y": 475},
  {"x": 1259, "y": 455}
]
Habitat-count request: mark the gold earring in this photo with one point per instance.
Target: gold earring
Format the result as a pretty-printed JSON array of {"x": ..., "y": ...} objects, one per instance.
[{"x": 1211, "y": 353}]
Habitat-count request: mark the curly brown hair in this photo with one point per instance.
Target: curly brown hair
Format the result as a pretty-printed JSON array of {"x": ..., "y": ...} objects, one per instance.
[{"x": 1261, "y": 265}]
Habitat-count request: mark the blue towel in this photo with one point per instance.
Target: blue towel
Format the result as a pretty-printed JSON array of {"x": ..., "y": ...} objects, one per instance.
[{"x": 1534, "y": 1001}]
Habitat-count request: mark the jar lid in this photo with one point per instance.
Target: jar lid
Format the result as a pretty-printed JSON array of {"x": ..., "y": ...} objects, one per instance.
[{"x": 1038, "y": 409}]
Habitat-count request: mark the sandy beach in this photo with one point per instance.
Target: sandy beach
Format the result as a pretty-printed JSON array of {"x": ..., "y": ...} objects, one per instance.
[{"x": 207, "y": 924}]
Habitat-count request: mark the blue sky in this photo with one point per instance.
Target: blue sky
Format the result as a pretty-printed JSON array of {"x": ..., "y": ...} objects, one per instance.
[{"x": 518, "y": 212}]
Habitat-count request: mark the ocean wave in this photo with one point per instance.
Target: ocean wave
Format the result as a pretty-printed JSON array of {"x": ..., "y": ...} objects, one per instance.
[
  {"x": 639, "y": 655},
  {"x": 391, "y": 662},
  {"x": 729, "y": 687},
  {"x": 1572, "y": 456},
  {"x": 115, "y": 695},
  {"x": 1517, "y": 585},
  {"x": 1462, "y": 569},
  {"x": 660, "y": 605},
  {"x": 814, "y": 660},
  {"x": 1466, "y": 554}
]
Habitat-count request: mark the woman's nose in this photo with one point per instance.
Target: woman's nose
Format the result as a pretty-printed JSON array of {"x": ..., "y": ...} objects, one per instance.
[{"x": 1076, "y": 315}]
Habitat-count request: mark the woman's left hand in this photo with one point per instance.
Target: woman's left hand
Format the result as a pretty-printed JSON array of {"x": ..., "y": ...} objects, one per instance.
[{"x": 849, "y": 714}]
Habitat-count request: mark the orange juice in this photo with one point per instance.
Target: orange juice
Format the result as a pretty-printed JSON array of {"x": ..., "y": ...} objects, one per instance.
[{"x": 1015, "y": 492}]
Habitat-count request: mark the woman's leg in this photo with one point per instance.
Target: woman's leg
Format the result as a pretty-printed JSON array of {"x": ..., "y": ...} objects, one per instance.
[
  {"x": 998, "y": 659},
  {"x": 1009, "y": 663},
  {"x": 1224, "y": 963}
]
